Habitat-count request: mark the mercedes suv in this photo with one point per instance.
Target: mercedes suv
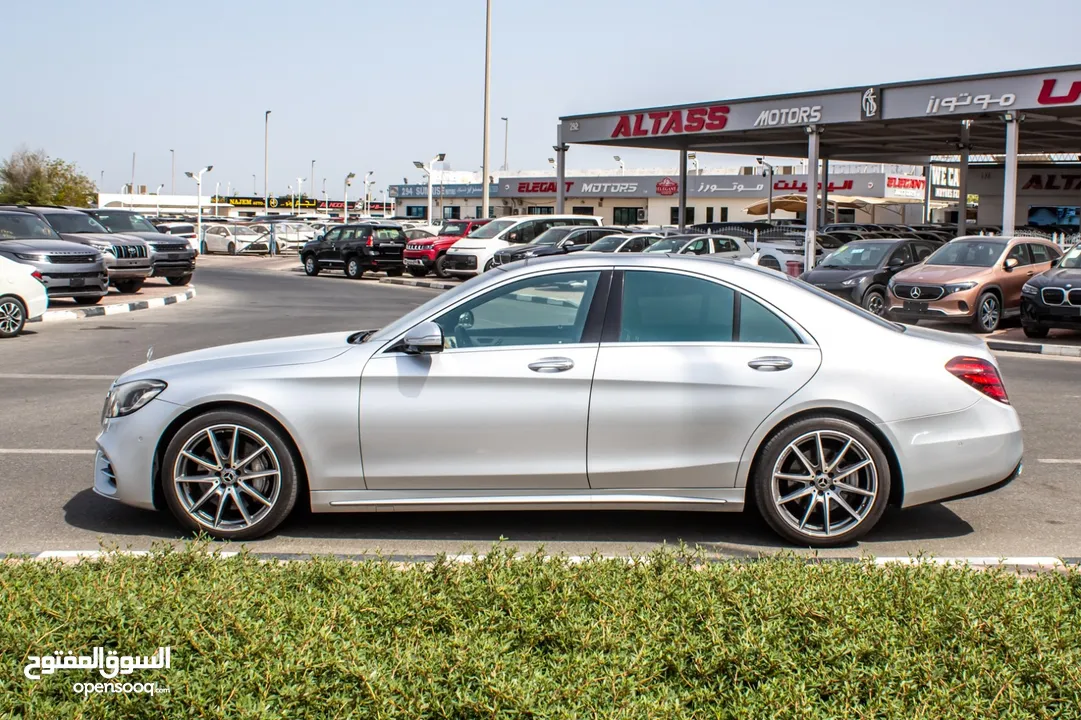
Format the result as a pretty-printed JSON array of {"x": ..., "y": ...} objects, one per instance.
[{"x": 69, "y": 270}]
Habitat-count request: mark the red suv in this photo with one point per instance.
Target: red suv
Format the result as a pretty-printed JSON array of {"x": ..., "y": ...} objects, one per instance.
[{"x": 424, "y": 256}]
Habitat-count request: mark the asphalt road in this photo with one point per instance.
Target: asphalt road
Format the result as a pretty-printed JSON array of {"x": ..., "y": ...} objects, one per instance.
[{"x": 53, "y": 381}]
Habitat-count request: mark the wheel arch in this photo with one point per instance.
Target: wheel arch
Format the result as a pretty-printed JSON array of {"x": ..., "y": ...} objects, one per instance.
[
  {"x": 191, "y": 413},
  {"x": 896, "y": 476},
  {"x": 993, "y": 288}
]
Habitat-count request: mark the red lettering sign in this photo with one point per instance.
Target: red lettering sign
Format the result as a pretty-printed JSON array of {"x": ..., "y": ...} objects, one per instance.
[
  {"x": 672, "y": 122},
  {"x": 546, "y": 186},
  {"x": 905, "y": 183},
  {"x": 1048, "y": 97},
  {"x": 668, "y": 186}
]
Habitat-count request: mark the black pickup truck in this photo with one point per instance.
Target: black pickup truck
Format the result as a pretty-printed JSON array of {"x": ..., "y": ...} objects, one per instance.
[{"x": 356, "y": 248}]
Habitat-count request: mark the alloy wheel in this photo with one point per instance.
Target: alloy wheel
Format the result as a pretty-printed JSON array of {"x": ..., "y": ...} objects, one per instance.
[
  {"x": 309, "y": 265},
  {"x": 227, "y": 477},
  {"x": 824, "y": 483},
  {"x": 989, "y": 313},
  {"x": 11, "y": 317},
  {"x": 876, "y": 304}
]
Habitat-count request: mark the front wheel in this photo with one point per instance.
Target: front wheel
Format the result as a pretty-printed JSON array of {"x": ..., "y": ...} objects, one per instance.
[
  {"x": 441, "y": 267},
  {"x": 875, "y": 302},
  {"x": 231, "y": 248},
  {"x": 129, "y": 287},
  {"x": 311, "y": 266},
  {"x": 489, "y": 265},
  {"x": 12, "y": 316},
  {"x": 180, "y": 279},
  {"x": 988, "y": 313},
  {"x": 229, "y": 474},
  {"x": 822, "y": 482}
]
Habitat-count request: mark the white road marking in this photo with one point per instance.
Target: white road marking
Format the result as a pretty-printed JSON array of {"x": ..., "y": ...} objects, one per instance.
[
  {"x": 44, "y": 451},
  {"x": 1052, "y": 461},
  {"x": 29, "y": 376}
]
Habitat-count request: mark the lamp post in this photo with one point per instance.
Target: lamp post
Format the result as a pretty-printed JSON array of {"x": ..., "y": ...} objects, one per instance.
[
  {"x": 217, "y": 191},
  {"x": 428, "y": 171},
  {"x": 254, "y": 187},
  {"x": 300, "y": 193},
  {"x": 622, "y": 168},
  {"x": 326, "y": 204},
  {"x": 312, "y": 176},
  {"x": 506, "y": 134},
  {"x": 266, "y": 164},
  {"x": 157, "y": 199},
  {"x": 172, "y": 177},
  {"x": 365, "y": 204},
  {"x": 348, "y": 182},
  {"x": 198, "y": 177},
  {"x": 693, "y": 157},
  {"x": 485, "y": 191},
  {"x": 769, "y": 175}
]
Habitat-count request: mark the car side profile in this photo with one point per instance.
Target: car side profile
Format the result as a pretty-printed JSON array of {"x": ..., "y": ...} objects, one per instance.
[
  {"x": 972, "y": 279},
  {"x": 554, "y": 241},
  {"x": 475, "y": 253},
  {"x": 720, "y": 245},
  {"x": 233, "y": 239},
  {"x": 657, "y": 382},
  {"x": 356, "y": 249},
  {"x": 620, "y": 243},
  {"x": 22, "y": 296}
]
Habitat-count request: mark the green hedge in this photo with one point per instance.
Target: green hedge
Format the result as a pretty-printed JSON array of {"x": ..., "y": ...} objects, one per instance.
[{"x": 521, "y": 636}]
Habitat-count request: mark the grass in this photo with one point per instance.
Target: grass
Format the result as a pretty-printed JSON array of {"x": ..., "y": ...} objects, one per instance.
[{"x": 524, "y": 637}]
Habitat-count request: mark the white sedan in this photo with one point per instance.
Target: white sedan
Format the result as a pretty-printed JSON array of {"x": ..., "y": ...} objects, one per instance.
[
  {"x": 234, "y": 240},
  {"x": 22, "y": 296}
]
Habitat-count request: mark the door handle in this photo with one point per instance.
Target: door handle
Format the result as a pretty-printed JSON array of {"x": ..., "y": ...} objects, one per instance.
[
  {"x": 770, "y": 364},
  {"x": 551, "y": 365}
]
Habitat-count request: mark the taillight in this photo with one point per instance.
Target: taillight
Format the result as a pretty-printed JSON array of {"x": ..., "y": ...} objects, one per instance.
[
  {"x": 38, "y": 276},
  {"x": 793, "y": 267},
  {"x": 370, "y": 240},
  {"x": 981, "y": 375}
]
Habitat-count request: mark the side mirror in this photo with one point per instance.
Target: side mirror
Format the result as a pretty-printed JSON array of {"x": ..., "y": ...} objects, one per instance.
[
  {"x": 424, "y": 338},
  {"x": 1010, "y": 263},
  {"x": 897, "y": 262},
  {"x": 465, "y": 320}
]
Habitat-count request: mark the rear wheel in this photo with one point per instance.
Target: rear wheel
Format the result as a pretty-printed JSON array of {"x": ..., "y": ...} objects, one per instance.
[
  {"x": 988, "y": 313},
  {"x": 89, "y": 299},
  {"x": 1035, "y": 331},
  {"x": 129, "y": 287},
  {"x": 311, "y": 266},
  {"x": 180, "y": 279},
  {"x": 353, "y": 269},
  {"x": 441, "y": 267},
  {"x": 874, "y": 301},
  {"x": 12, "y": 316},
  {"x": 230, "y": 474},
  {"x": 821, "y": 482}
]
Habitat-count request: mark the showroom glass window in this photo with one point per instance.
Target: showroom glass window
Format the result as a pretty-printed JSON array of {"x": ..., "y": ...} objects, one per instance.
[
  {"x": 511, "y": 315},
  {"x": 626, "y": 215},
  {"x": 661, "y": 307}
]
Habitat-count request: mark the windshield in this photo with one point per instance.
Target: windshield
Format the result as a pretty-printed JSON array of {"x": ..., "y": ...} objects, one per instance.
[
  {"x": 968, "y": 253},
  {"x": 858, "y": 255},
  {"x": 829, "y": 242},
  {"x": 21, "y": 226},
  {"x": 486, "y": 232},
  {"x": 608, "y": 244},
  {"x": 1072, "y": 259},
  {"x": 552, "y": 236},
  {"x": 124, "y": 222},
  {"x": 666, "y": 245},
  {"x": 453, "y": 229},
  {"x": 74, "y": 222}
]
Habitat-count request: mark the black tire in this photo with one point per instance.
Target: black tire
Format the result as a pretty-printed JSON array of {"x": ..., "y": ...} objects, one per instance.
[
  {"x": 441, "y": 267},
  {"x": 418, "y": 272},
  {"x": 280, "y": 452},
  {"x": 489, "y": 265},
  {"x": 988, "y": 313},
  {"x": 129, "y": 287},
  {"x": 180, "y": 279},
  {"x": 775, "y": 456},
  {"x": 353, "y": 269},
  {"x": 12, "y": 316},
  {"x": 89, "y": 299},
  {"x": 874, "y": 301},
  {"x": 202, "y": 248},
  {"x": 231, "y": 248},
  {"x": 394, "y": 272},
  {"x": 311, "y": 265},
  {"x": 1035, "y": 331}
]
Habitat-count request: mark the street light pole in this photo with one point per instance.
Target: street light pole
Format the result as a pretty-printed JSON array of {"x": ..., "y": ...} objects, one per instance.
[
  {"x": 326, "y": 204},
  {"x": 157, "y": 194},
  {"x": 217, "y": 191},
  {"x": 312, "y": 176},
  {"x": 198, "y": 177},
  {"x": 622, "y": 168},
  {"x": 254, "y": 186},
  {"x": 506, "y": 135},
  {"x": 348, "y": 182},
  {"x": 266, "y": 163},
  {"x": 300, "y": 187},
  {"x": 769, "y": 175},
  {"x": 365, "y": 204},
  {"x": 172, "y": 177},
  {"x": 439, "y": 158},
  {"x": 485, "y": 199}
]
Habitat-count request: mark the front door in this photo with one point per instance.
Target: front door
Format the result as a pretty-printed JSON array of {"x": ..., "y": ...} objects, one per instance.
[
  {"x": 694, "y": 369},
  {"x": 1012, "y": 281},
  {"x": 327, "y": 252},
  {"x": 504, "y": 406}
]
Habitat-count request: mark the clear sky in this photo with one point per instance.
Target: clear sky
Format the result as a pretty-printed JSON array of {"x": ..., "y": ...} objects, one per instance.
[{"x": 361, "y": 85}]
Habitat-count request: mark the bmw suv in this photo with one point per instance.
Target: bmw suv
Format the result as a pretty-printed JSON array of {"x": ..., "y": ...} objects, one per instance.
[{"x": 69, "y": 270}]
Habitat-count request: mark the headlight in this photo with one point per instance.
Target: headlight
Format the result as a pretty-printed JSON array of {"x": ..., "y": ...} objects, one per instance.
[
  {"x": 130, "y": 396},
  {"x": 853, "y": 281},
  {"x": 892, "y": 281},
  {"x": 31, "y": 257},
  {"x": 1029, "y": 289},
  {"x": 102, "y": 247},
  {"x": 958, "y": 287}
]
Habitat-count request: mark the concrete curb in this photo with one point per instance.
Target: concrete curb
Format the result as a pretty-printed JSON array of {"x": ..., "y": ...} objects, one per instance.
[
  {"x": 434, "y": 284},
  {"x": 117, "y": 309},
  {"x": 1034, "y": 348}
]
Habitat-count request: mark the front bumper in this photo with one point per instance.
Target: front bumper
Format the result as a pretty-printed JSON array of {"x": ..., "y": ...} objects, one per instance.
[
  {"x": 75, "y": 283},
  {"x": 1050, "y": 316},
  {"x": 419, "y": 259},
  {"x": 461, "y": 264},
  {"x": 124, "y": 463},
  {"x": 947, "y": 308},
  {"x": 120, "y": 269}
]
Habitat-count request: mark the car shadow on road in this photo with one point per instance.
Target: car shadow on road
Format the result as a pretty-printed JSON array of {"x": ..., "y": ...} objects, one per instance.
[{"x": 731, "y": 534}]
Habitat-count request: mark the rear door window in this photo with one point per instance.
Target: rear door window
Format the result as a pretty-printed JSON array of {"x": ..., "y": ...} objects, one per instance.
[
  {"x": 1020, "y": 253},
  {"x": 1040, "y": 253}
]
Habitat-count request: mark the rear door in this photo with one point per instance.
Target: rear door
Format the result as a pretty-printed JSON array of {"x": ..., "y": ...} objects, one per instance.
[
  {"x": 685, "y": 374},
  {"x": 388, "y": 243},
  {"x": 1012, "y": 281},
  {"x": 727, "y": 247}
]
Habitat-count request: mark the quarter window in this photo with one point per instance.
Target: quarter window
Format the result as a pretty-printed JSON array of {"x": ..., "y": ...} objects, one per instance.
[{"x": 758, "y": 324}]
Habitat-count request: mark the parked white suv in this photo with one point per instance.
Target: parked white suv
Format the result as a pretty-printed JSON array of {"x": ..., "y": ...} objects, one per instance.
[{"x": 473, "y": 254}]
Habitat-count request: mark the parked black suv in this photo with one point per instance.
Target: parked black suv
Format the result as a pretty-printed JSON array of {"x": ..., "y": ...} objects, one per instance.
[
  {"x": 859, "y": 271},
  {"x": 355, "y": 248},
  {"x": 554, "y": 241}
]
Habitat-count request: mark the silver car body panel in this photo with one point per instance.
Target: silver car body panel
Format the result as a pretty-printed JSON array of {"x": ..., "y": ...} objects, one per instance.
[{"x": 467, "y": 429}]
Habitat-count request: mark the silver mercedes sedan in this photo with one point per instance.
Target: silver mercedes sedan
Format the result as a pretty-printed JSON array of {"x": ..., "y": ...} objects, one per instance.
[{"x": 587, "y": 381}]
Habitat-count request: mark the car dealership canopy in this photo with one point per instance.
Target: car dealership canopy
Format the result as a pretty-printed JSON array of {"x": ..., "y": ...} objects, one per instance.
[{"x": 1027, "y": 111}]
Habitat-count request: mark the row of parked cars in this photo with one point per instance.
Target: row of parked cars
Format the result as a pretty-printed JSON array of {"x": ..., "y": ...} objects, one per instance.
[{"x": 78, "y": 254}]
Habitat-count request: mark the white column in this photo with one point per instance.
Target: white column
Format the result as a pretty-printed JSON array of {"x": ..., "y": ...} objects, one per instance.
[
  {"x": 682, "y": 189},
  {"x": 810, "y": 239},
  {"x": 1009, "y": 190},
  {"x": 962, "y": 180},
  {"x": 927, "y": 193}
]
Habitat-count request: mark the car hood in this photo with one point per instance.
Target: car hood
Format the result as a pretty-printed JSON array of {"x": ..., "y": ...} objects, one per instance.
[
  {"x": 296, "y": 350},
  {"x": 830, "y": 276},
  {"x": 43, "y": 245},
  {"x": 940, "y": 274},
  {"x": 110, "y": 238},
  {"x": 1059, "y": 276},
  {"x": 154, "y": 237}
]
